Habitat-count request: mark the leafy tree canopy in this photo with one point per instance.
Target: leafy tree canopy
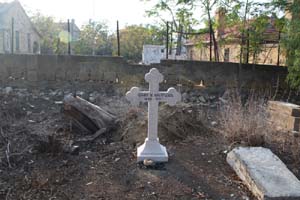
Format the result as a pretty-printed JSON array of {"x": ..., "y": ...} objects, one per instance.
[
  {"x": 132, "y": 39},
  {"x": 94, "y": 39}
]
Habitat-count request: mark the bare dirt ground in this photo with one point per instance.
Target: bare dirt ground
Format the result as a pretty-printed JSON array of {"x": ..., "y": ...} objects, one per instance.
[{"x": 38, "y": 160}]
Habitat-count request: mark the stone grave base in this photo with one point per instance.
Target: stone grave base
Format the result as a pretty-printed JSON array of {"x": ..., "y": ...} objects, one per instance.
[{"x": 152, "y": 150}]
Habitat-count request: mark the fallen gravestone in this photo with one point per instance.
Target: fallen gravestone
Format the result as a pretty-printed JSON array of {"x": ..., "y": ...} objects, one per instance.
[
  {"x": 264, "y": 173},
  {"x": 152, "y": 149}
]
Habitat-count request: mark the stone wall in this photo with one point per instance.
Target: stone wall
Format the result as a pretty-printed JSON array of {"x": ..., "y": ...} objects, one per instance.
[
  {"x": 58, "y": 69},
  {"x": 225, "y": 74}
]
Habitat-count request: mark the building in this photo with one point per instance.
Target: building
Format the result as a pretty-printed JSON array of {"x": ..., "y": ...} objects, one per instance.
[
  {"x": 64, "y": 35},
  {"x": 229, "y": 44},
  {"x": 153, "y": 53},
  {"x": 17, "y": 33},
  {"x": 74, "y": 30}
]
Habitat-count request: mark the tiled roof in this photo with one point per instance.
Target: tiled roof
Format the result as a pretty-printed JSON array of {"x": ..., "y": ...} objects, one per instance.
[
  {"x": 4, "y": 7},
  {"x": 64, "y": 26}
]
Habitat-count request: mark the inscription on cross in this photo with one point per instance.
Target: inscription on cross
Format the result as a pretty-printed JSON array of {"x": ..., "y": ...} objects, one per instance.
[{"x": 152, "y": 149}]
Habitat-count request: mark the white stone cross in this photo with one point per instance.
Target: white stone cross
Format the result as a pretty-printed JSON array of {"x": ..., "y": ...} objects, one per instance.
[{"x": 152, "y": 149}]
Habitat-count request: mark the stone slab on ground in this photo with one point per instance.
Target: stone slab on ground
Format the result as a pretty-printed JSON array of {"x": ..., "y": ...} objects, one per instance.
[{"x": 264, "y": 173}]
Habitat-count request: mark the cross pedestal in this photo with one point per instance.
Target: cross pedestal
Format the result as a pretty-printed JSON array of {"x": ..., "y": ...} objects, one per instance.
[{"x": 152, "y": 149}]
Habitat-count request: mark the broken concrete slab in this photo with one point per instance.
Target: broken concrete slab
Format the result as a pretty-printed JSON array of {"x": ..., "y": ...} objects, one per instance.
[{"x": 264, "y": 173}]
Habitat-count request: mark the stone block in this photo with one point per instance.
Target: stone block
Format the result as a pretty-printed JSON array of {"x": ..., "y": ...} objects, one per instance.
[
  {"x": 284, "y": 122},
  {"x": 284, "y": 116},
  {"x": 285, "y": 108},
  {"x": 264, "y": 173}
]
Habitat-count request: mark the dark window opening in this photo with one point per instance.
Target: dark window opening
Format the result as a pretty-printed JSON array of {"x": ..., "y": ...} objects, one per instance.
[{"x": 226, "y": 55}]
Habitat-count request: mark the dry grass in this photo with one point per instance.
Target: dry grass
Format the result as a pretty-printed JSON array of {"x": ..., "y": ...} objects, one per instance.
[{"x": 244, "y": 119}]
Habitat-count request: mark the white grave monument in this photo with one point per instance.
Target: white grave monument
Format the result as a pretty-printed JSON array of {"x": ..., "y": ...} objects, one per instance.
[{"x": 152, "y": 149}]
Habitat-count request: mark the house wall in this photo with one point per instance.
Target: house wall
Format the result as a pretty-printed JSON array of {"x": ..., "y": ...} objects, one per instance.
[
  {"x": 23, "y": 25},
  {"x": 1, "y": 40},
  {"x": 268, "y": 54}
]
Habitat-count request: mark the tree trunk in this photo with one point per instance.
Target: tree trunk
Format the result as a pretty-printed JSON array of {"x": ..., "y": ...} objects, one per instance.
[
  {"x": 210, "y": 43},
  {"x": 212, "y": 37},
  {"x": 216, "y": 50},
  {"x": 179, "y": 40},
  {"x": 87, "y": 116},
  {"x": 243, "y": 34}
]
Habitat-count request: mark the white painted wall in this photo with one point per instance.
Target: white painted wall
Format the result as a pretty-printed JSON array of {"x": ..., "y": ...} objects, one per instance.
[
  {"x": 25, "y": 28},
  {"x": 153, "y": 53}
]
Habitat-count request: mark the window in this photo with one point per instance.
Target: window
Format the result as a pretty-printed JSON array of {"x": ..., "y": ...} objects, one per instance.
[
  {"x": 17, "y": 40},
  {"x": 226, "y": 55},
  {"x": 29, "y": 42}
]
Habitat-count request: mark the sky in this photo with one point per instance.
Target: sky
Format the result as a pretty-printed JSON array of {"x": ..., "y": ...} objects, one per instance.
[{"x": 126, "y": 11}]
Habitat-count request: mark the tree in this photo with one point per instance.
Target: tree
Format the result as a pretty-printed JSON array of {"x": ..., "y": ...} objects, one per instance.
[
  {"x": 255, "y": 38},
  {"x": 181, "y": 17},
  {"x": 50, "y": 31},
  {"x": 94, "y": 39},
  {"x": 252, "y": 19},
  {"x": 291, "y": 39},
  {"x": 132, "y": 39},
  {"x": 292, "y": 42},
  {"x": 208, "y": 5}
]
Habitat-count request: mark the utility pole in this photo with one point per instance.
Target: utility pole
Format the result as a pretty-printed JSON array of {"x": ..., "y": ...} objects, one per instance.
[
  {"x": 118, "y": 38},
  {"x": 170, "y": 50},
  {"x": 69, "y": 38},
  {"x": 12, "y": 34},
  {"x": 167, "y": 42}
]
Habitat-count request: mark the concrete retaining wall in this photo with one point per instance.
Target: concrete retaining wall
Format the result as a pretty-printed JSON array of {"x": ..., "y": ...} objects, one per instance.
[{"x": 57, "y": 69}]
